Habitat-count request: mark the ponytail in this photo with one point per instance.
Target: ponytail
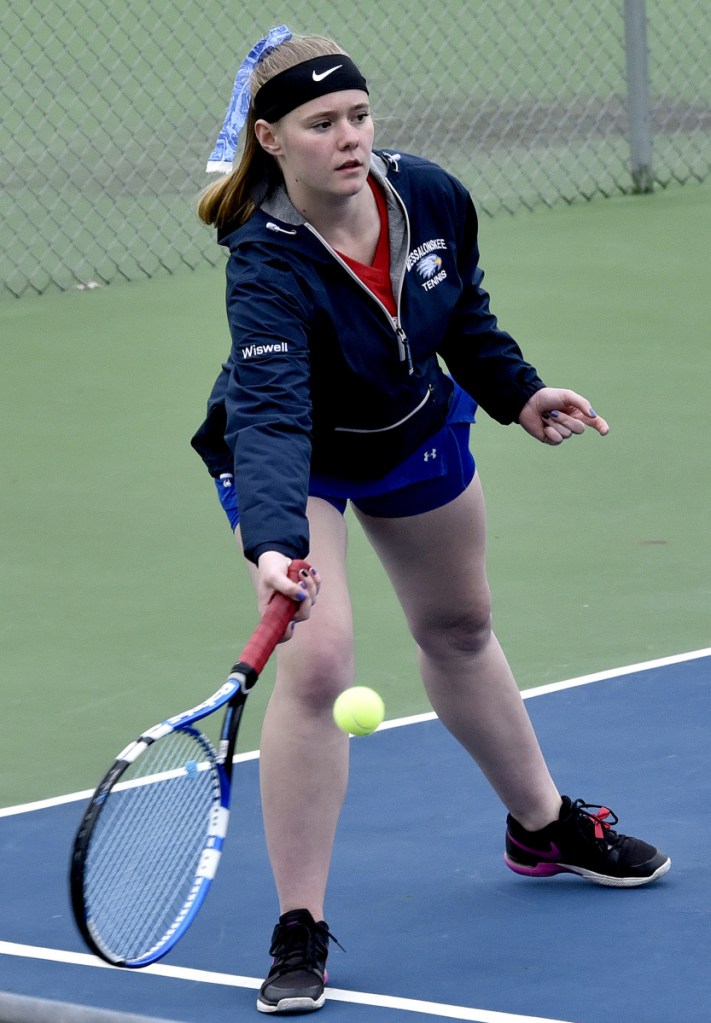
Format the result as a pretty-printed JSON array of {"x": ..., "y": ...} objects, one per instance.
[
  {"x": 234, "y": 198},
  {"x": 231, "y": 198}
]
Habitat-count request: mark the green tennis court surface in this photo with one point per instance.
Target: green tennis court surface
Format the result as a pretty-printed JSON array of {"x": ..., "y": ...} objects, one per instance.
[{"x": 123, "y": 598}]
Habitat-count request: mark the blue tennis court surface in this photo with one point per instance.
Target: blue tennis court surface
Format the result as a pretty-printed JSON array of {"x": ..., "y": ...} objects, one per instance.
[{"x": 434, "y": 925}]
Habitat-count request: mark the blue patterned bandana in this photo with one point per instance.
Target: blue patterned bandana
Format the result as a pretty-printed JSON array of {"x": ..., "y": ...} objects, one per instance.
[{"x": 223, "y": 154}]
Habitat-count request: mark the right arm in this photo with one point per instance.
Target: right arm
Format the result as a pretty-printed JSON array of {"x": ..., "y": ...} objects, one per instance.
[{"x": 268, "y": 408}]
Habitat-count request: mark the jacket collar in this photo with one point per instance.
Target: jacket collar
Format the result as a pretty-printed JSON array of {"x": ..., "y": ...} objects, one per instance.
[{"x": 279, "y": 205}]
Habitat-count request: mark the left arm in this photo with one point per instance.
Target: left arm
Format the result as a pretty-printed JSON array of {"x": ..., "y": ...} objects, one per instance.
[
  {"x": 489, "y": 364},
  {"x": 484, "y": 359}
]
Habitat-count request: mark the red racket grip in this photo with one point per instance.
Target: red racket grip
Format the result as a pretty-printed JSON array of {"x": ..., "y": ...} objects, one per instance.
[{"x": 280, "y": 610}]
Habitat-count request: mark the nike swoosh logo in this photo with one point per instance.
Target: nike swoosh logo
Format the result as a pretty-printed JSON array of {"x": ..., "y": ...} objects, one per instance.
[{"x": 325, "y": 74}]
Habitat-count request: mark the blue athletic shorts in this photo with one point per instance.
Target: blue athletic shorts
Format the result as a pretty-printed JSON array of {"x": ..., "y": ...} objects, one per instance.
[{"x": 433, "y": 475}]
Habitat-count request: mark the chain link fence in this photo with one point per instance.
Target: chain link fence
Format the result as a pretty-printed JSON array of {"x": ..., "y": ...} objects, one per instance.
[{"x": 111, "y": 108}]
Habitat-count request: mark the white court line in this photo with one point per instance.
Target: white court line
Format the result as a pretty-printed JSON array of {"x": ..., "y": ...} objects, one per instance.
[
  {"x": 75, "y": 797},
  {"x": 232, "y": 980},
  {"x": 527, "y": 694}
]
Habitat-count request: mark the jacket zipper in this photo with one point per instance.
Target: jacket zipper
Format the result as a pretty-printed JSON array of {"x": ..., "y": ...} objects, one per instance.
[{"x": 403, "y": 344}]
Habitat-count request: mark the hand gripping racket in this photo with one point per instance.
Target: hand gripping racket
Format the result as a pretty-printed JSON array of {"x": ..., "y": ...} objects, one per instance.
[{"x": 150, "y": 840}]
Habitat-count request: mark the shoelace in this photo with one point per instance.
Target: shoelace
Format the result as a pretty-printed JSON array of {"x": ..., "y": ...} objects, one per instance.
[
  {"x": 297, "y": 946},
  {"x": 602, "y": 821}
]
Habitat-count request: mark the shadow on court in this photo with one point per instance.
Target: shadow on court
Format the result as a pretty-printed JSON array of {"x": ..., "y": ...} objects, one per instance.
[{"x": 434, "y": 925}]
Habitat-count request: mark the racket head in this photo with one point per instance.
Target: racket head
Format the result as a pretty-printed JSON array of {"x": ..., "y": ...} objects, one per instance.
[
  {"x": 150, "y": 840},
  {"x": 148, "y": 847}
]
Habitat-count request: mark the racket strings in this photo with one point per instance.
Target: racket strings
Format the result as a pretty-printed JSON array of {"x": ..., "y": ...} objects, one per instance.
[{"x": 147, "y": 844}]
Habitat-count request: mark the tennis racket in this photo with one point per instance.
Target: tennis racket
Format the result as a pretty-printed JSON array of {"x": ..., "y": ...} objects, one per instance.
[{"x": 150, "y": 840}]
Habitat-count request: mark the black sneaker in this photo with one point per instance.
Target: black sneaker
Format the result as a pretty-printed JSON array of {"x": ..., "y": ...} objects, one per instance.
[
  {"x": 298, "y": 975},
  {"x": 582, "y": 842}
]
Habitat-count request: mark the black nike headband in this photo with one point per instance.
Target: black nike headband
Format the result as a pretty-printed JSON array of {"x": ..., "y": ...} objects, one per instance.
[{"x": 306, "y": 81}]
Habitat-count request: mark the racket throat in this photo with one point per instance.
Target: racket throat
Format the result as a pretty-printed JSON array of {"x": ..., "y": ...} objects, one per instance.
[{"x": 243, "y": 676}]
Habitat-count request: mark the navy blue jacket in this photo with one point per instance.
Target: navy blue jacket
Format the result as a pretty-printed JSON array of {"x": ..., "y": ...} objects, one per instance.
[{"x": 322, "y": 377}]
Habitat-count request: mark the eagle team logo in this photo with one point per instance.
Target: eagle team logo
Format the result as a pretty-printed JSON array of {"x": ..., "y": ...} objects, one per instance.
[
  {"x": 427, "y": 262},
  {"x": 429, "y": 266}
]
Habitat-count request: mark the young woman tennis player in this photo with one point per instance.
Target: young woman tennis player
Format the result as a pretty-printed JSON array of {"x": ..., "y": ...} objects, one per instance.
[{"x": 350, "y": 271}]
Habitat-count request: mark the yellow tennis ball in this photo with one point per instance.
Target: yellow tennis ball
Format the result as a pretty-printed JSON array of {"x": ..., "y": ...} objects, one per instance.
[{"x": 358, "y": 710}]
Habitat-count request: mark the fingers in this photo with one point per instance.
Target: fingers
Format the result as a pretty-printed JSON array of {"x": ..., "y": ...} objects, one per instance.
[
  {"x": 308, "y": 587},
  {"x": 558, "y": 427},
  {"x": 563, "y": 414},
  {"x": 580, "y": 409},
  {"x": 272, "y": 576},
  {"x": 598, "y": 423},
  {"x": 304, "y": 598}
]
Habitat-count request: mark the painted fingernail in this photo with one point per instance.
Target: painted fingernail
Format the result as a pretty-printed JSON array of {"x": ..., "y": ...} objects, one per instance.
[
  {"x": 301, "y": 595},
  {"x": 544, "y": 415},
  {"x": 592, "y": 413},
  {"x": 554, "y": 415},
  {"x": 314, "y": 571},
  {"x": 304, "y": 574}
]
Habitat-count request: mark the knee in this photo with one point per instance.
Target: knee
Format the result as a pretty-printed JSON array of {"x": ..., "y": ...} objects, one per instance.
[
  {"x": 455, "y": 632},
  {"x": 312, "y": 679}
]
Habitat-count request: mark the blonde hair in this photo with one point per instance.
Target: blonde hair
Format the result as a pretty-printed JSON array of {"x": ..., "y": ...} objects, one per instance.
[{"x": 231, "y": 199}]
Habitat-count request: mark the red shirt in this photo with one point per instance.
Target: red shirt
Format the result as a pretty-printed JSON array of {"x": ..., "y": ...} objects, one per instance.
[{"x": 376, "y": 276}]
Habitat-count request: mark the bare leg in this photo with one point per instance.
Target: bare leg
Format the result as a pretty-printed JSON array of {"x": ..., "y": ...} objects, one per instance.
[
  {"x": 436, "y": 562},
  {"x": 304, "y": 757}
]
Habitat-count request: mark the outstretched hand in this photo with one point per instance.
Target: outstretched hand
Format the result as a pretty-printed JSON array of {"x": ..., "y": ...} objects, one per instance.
[{"x": 554, "y": 414}]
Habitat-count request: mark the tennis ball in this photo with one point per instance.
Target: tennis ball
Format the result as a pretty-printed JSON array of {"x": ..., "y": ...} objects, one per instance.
[{"x": 358, "y": 710}]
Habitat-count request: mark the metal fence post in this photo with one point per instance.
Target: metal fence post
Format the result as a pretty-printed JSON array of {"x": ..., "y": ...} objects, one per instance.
[{"x": 638, "y": 104}]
